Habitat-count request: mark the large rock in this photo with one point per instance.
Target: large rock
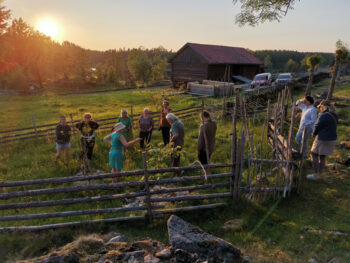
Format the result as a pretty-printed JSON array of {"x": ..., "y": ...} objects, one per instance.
[
  {"x": 67, "y": 258},
  {"x": 184, "y": 236}
]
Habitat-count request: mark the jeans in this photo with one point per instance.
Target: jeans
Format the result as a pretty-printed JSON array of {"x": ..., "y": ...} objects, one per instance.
[
  {"x": 87, "y": 147},
  {"x": 299, "y": 137},
  {"x": 166, "y": 135},
  {"x": 202, "y": 157}
]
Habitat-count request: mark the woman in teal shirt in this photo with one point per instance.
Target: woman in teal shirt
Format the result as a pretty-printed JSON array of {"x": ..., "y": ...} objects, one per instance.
[{"x": 117, "y": 141}]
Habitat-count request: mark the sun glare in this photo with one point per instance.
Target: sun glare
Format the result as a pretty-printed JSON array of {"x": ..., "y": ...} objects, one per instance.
[{"x": 48, "y": 28}]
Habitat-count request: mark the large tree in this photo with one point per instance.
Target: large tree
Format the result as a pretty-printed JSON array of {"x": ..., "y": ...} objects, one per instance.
[
  {"x": 140, "y": 65},
  {"x": 341, "y": 56},
  {"x": 255, "y": 11},
  {"x": 312, "y": 62}
]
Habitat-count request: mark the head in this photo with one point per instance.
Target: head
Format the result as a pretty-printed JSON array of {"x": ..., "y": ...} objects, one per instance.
[
  {"x": 63, "y": 120},
  {"x": 119, "y": 127},
  {"x": 87, "y": 117},
  {"x": 165, "y": 103},
  {"x": 145, "y": 111},
  {"x": 124, "y": 113},
  {"x": 326, "y": 105},
  {"x": 205, "y": 115},
  {"x": 308, "y": 100},
  {"x": 170, "y": 118}
]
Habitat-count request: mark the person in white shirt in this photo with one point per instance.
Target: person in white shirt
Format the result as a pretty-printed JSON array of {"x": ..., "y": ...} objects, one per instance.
[{"x": 308, "y": 120}]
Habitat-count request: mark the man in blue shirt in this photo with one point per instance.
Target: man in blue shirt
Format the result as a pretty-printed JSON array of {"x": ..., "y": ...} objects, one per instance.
[{"x": 308, "y": 120}]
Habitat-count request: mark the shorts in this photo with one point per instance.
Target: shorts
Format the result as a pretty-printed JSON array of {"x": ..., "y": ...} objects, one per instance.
[
  {"x": 116, "y": 161},
  {"x": 65, "y": 145}
]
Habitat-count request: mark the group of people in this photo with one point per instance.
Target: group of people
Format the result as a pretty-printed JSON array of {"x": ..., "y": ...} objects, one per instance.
[
  {"x": 323, "y": 130},
  {"x": 121, "y": 138}
]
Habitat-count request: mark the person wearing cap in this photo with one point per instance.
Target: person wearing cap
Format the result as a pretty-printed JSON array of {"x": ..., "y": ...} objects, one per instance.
[
  {"x": 206, "y": 139},
  {"x": 325, "y": 138},
  {"x": 126, "y": 120},
  {"x": 87, "y": 127},
  {"x": 117, "y": 141},
  {"x": 308, "y": 119},
  {"x": 146, "y": 126},
  {"x": 177, "y": 139},
  {"x": 164, "y": 125}
]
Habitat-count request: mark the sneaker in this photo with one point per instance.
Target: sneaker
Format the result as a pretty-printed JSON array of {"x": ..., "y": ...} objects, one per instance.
[{"x": 312, "y": 177}]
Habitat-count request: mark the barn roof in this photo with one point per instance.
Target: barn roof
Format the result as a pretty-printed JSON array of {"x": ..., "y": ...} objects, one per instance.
[{"x": 214, "y": 54}]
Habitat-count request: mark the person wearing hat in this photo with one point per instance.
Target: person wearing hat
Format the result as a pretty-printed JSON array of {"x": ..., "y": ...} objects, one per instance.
[
  {"x": 117, "y": 141},
  {"x": 325, "y": 137},
  {"x": 126, "y": 120}
]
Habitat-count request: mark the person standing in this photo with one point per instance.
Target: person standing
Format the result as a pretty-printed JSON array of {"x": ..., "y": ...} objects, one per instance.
[
  {"x": 146, "y": 126},
  {"x": 325, "y": 138},
  {"x": 63, "y": 133},
  {"x": 164, "y": 125},
  {"x": 87, "y": 127},
  {"x": 206, "y": 139},
  {"x": 117, "y": 141},
  {"x": 126, "y": 120},
  {"x": 177, "y": 139},
  {"x": 308, "y": 119}
]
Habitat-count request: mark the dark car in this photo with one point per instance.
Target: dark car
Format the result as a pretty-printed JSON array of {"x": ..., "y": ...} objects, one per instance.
[{"x": 283, "y": 79}]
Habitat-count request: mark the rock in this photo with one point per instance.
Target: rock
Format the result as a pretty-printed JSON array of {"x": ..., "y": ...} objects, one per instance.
[
  {"x": 333, "y": 260},
  {"x": 183, "y": 256},
  {"x": 134, "y": 255},
  {"x": 118, "y": 238},
  {"x": 67, "y": 258},
  {"x": 191, "y": 239},
  {"x": 233, "y": 225},
  {"x": 333, "y": 166},
  {"x": 150, "y": 259},
  {"x": 312, "y": 260},
  {"x": 164, "y": 254}
]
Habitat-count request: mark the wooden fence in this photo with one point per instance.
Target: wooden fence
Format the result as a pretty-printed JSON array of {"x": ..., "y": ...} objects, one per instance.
[
  {"x": 37, "y": 131},
  {"x": 154, "y": 192}
]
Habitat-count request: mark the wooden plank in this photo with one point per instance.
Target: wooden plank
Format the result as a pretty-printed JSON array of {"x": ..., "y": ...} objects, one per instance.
[
  {"x": 189, "y": 208},
  {"x": 190, "y": 197},
  {"x": 148, "y": 196}
]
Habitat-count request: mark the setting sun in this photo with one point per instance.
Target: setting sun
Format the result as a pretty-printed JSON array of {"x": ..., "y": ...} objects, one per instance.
[{"x": 48, "y": 28}]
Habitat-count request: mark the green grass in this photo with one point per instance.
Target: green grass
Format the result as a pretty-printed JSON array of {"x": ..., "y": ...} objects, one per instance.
[{"x": 273, "y": 232}]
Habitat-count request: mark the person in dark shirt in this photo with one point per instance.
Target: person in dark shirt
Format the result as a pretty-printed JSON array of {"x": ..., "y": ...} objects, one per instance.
[
  {"x": 63, "y": 132},
  {"x": 325, "y": 138},
  {"x": 87, "y": 127}
]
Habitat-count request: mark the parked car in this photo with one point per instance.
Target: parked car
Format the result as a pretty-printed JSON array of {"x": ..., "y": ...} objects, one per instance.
[
  {"x": 283, "y": 79},
  {"x": 263, "y": 79}
]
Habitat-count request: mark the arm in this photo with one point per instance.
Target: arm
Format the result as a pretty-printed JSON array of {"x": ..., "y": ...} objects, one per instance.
[
  {"x": 320, "y": 124},
  {"x": 128, "y": 144},
  {"x": 152, "y": 124},
  {"x": 300, "y": 104},
  {"x": 174, "y": 137},
  {"x": 57, "y": 132},
  {"x": 201, "y": 141},
  {"x": 107, "y": 140}
]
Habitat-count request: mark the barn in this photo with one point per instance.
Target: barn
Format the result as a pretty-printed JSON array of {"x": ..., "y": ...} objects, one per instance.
[{"x": 197, "y": 62}]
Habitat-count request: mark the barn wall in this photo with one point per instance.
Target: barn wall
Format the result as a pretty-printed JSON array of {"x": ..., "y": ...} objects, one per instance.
[{"x": 188, "y": 66}]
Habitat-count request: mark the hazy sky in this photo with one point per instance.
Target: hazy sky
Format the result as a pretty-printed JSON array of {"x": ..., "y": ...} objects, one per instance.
[{"x": 313, "y": 25}]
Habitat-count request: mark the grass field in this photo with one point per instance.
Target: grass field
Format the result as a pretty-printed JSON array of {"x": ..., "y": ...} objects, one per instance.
[{"x": 273, "y": 231}]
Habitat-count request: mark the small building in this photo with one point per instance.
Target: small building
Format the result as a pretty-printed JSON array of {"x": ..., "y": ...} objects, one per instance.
[{"x": 197, "y": 62}]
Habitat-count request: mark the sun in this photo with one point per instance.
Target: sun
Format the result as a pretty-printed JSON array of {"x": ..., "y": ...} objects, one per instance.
[{"x": 48, "y": 28}]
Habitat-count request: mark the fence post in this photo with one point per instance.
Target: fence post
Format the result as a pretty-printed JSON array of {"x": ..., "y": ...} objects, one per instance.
[
  {"x": 148, "y": 195},
  {"x": 234, "y": 143},
  {"x": 241, "y": 163},
  {"x": 132, "y": 116},
  {"x": 34, "y": 125},
  {"x": 237, "y": 169},
  {"x": 301, "y": 163},
  {"x": 223, "y": 107}
]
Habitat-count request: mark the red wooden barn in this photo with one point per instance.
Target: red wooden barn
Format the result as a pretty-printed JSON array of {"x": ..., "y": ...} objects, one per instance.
[{"x": 196, "y": 62}]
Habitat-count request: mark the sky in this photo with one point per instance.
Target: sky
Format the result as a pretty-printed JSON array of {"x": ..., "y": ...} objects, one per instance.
[{"x": 313, "y": 25}]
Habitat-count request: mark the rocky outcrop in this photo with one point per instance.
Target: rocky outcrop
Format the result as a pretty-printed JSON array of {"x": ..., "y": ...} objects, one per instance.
[
  {"x": 189, "y": 244},
  {"x": 205, "y": 247}
]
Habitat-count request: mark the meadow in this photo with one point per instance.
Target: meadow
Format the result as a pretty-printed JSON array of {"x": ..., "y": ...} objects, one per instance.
[{"x": 273, "y": 231}]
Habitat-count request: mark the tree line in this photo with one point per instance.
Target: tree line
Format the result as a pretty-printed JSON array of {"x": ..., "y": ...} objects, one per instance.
[{"x": 28, "y": 57}]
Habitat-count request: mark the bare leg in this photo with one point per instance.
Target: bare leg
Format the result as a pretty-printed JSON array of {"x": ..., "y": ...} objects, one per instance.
[
  {"x": 115, "y": 179},
  {"x": 58, "y": 154},
  {"x": 322, "y": 164},
  {"x": 66, "y": 151}
]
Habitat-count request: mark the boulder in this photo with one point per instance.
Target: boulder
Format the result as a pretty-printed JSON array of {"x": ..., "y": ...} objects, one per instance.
[
  {"x": 183, "y": 235},
  {"x": 66, "y": 258},
  {"x": 118, "y": 238},
  {"x": 164, "y": 254},
  {"x": 182, "y": 256}
]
